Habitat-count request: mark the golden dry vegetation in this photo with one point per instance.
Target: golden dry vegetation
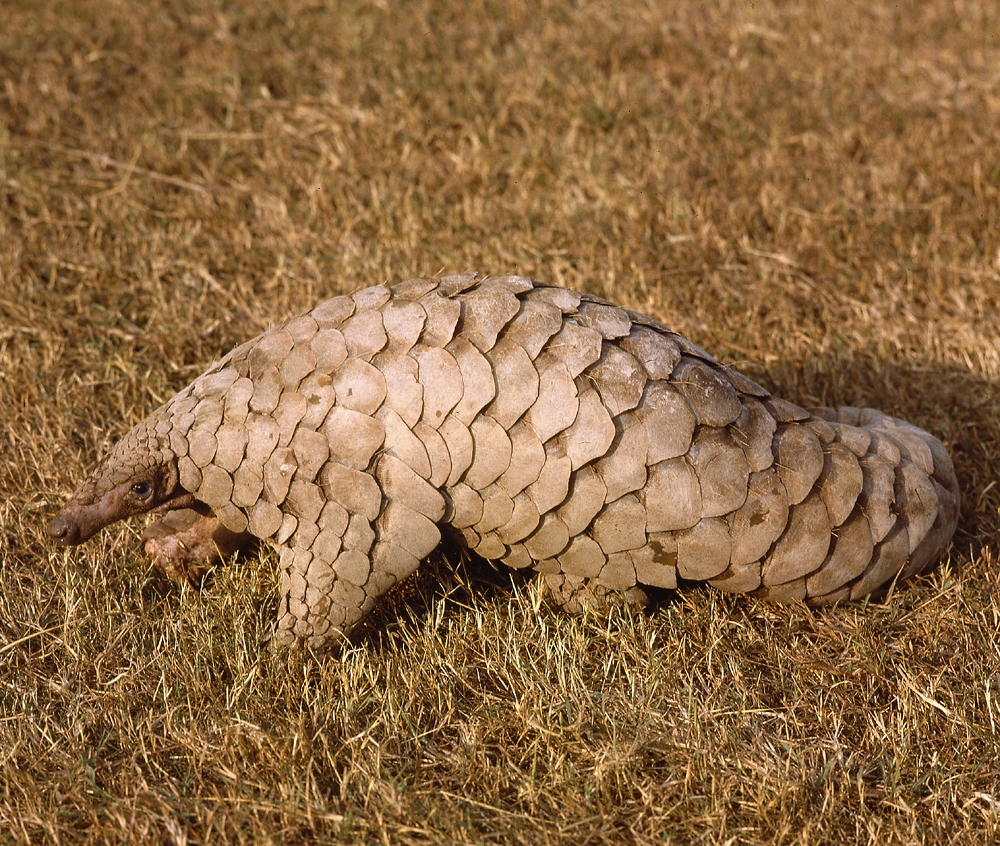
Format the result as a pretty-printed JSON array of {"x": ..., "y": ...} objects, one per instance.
[{"x": 809, "y": 190}]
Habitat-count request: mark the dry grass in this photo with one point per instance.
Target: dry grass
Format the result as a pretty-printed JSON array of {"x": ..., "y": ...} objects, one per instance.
[{"x": 811, "y": 190}]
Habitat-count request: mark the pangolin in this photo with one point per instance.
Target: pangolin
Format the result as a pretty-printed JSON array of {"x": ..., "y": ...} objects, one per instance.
[{"x": 544, "y": 428}]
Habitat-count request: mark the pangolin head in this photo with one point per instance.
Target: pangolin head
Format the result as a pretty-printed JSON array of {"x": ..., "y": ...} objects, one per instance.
[{"x": 138, "y": 475}]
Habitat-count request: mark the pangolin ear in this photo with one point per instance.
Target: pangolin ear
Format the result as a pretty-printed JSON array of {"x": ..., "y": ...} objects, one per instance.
[{"x": 170, "y": 482}]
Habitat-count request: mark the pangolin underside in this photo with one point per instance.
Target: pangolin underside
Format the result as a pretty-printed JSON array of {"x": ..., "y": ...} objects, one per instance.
[{"x": 544, "y": 428}]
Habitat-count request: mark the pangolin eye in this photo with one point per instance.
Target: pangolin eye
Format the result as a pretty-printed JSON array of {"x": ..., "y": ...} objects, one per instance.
[{"x": 141, "y": 488}]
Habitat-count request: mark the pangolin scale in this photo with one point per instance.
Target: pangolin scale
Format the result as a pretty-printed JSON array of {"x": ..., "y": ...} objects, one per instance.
[{"x": 541, "y": 427}]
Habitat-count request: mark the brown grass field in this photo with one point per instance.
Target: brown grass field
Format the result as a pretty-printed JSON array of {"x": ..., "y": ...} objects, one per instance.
[{"x": 809, "y": 190}]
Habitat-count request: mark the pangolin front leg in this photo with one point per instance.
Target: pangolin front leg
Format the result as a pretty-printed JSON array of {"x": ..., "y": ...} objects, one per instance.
[
  {"x": 548, "y": 429},
  {"x": 185, "y": 545}
]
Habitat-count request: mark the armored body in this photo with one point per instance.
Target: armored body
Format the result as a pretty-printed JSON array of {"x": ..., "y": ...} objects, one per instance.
[{"x": 541, "y": 427}]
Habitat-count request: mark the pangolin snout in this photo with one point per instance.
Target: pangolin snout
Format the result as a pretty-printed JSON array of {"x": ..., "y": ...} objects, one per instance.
[{"x": 64, "y": 530}]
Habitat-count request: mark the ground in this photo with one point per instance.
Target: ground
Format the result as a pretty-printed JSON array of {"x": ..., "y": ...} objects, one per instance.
[{"x": 810, "y": 191}]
